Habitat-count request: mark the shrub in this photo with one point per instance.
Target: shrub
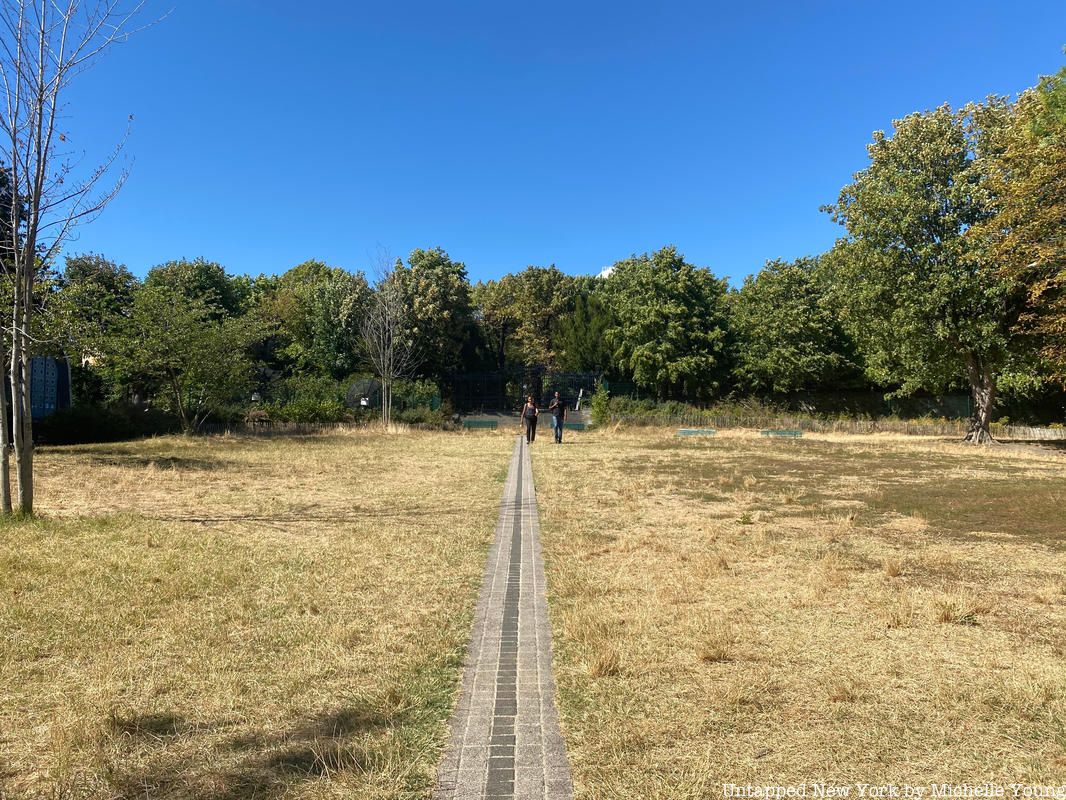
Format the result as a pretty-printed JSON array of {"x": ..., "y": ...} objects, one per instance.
[
  {"x": 307, "y": 409},
  {"x": 421, "y": 415},
  {"x": 601, "y": 406},
  {"x": 306, "y": 388}
]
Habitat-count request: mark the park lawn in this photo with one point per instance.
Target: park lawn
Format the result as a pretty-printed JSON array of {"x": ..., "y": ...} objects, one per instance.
[
  {"x": 223, "y": 618},
  {"x": 845, "y": 609}
]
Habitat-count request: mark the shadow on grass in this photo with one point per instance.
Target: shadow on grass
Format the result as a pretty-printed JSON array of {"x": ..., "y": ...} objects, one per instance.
[
  {"x": 1002, "y": 501},
  {"x": 256, "y": 764},
  {"x": 149, "y": 726},
  {"x": 1052, "y": 445},
  {"x": 159, "y": 462}
]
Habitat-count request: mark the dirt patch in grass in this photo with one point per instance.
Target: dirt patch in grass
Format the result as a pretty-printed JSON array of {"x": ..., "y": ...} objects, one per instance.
[
  {"x": 853, "y": 609},
  {"x": 233, "y": 618}
]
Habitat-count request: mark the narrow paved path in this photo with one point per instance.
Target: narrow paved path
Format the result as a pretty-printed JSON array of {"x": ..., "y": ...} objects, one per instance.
[{"x": 504, "y": 739}]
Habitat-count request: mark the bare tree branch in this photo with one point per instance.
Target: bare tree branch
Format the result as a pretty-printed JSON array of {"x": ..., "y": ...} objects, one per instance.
[{"x": 386, "y": 333}]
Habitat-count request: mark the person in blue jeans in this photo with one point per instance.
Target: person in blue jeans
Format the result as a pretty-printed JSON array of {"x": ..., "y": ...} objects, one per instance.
[{"x": 558, "y": 411}]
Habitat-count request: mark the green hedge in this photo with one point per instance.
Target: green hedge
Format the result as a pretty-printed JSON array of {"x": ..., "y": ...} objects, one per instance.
[{"x": 308, "y": 409}]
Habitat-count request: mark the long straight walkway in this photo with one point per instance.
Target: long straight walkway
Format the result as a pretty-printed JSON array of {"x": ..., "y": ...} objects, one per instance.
[{"x": 504, "y": 739}]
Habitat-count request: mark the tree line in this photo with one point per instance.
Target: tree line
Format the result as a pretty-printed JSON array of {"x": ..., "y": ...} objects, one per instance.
[{"x": 948, "y": 275}]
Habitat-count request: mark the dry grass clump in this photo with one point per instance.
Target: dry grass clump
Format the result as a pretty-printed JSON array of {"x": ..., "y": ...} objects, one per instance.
[
  {"x": 893, "y": 567},
  {"x": 842, "y": 688},
  {"x": 605, "y": 661},
  {"x": 840, "y": 556},
  {"x": 715, "y": 641},
  {"x": 829, "y": 574},
  {"x": 839, "y": 527},
  {"x": 960, "y": 608},
  {"x": 708, "y": 566},
  {"x": 229, "y": 617},
  {"x": 755, "y": 691},
  {"x": 898, "y": 610},
  {"x": 595, "y": 633}
]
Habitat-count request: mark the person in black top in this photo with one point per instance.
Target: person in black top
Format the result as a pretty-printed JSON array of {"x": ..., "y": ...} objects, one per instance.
[
  {"x": 558, "y": 412},
  {"x": 529, "y": 419}
]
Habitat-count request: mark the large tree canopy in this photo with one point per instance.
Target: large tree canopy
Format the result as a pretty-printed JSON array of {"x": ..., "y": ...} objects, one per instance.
[
  {"x": 518, "y": 312},
  {"x": 787, "y": 334},
  {"x": 581, "y": 337},
  {"x": 669, "y": 324},
  {"x": 316, "y": 311},
  {"x": 96, "y": 292},
  {"x": 1026, "y": 234},
  {"x": 191, "y": 362},
  {"x": 201, "y": 280},
  {"x": 923, "y": 299},
  {"x": 438, "y": 295}
]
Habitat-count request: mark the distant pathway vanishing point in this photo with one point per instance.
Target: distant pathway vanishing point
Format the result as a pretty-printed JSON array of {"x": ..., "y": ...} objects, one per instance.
[{"x": 504, "y": 738}]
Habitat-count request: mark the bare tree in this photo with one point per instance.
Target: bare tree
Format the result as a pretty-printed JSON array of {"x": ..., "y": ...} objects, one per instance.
[
  {"x": 44, "y": 46},
  {"x": 387, "y": 335}
]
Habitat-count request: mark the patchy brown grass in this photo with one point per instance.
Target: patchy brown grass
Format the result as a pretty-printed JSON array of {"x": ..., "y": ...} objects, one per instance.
[
  {"x": 232, "y": 618},
  {"x": 853, "y": 609}
]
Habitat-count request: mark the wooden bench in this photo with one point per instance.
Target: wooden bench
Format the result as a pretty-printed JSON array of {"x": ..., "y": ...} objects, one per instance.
[
  {"x": 574, "y": 426},
  {"x": 696, "y": 431},
  {"x": 480, "y": 424},
  {"x": 784, "y": 433}
]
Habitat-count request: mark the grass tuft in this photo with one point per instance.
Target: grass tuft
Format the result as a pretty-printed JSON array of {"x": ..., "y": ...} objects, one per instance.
[
  {"x": 959, "y": 608},
  {"x": 716, "y": 641},
  {"x": 604, "y": 662}
]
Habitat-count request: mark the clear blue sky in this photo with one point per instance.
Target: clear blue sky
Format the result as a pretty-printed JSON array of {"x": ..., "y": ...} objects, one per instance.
[{"x": 267, "y": 132}]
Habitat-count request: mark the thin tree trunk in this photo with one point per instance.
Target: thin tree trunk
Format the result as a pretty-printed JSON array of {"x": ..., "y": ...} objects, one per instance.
[
  {"x": 20, "y": 407},
  {"x": 387, "y": 400},
  {"x": 14, "y": 371},
  {"x": 24, "y": 453},
  {"x": 5, "y": 453},
  {"x": 983, "y": 392}
]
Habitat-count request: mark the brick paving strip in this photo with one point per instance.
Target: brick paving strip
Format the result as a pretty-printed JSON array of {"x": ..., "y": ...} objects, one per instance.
[{"x": 504, "y": 738}]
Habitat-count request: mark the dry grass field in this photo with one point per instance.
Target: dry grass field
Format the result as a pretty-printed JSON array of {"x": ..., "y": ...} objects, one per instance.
[
  {"x": 852, "y": 609},
  {"x": 234, "y": 618}
]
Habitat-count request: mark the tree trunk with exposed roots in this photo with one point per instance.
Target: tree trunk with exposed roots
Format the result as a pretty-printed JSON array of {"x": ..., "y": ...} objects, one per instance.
[{"x": 983, "y": 392}]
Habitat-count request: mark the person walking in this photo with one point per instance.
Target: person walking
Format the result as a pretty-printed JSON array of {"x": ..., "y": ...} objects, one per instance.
[
  {"x": 529, "y": 419},
  {"x": 558, "y": 411}
]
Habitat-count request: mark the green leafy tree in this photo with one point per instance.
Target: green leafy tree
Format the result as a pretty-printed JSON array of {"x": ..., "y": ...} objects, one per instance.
[
  {"x": 438, "y": 294},
  {"x": 82, "y": 310},
  {"x": 201, "y": 280},
  {"x": 923, "y": 299},
  {"x": 316, "y": 310},
  {"x": 669, "y": 329},
  {"x": 518, "y": 314},
  {"x": 498, "y": 316},
  {"x": 581, "y": 336},
  {"x": 98, "y": 293},
  {"x": 787, "y": 334},
  {"x": 192, "y": 362},
  {"x": 1026, "y": 173}
]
